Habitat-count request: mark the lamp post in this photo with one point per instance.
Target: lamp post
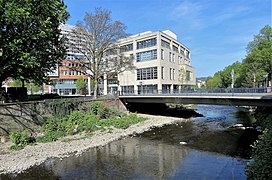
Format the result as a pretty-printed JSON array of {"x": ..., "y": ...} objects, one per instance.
[
  {"x": 232, "y": 81},
  {"x": 254, "y": 79}
]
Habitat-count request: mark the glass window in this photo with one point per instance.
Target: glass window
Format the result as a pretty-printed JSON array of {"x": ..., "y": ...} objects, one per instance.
[
  {"x": 188, "y": 75},
  {"x": 125, "y": 48},
  {"x": 146, "y": 55},
  {"x": 165, "y": 44},
  {"x": 146, "y": 43},
  {"x": 147, "y": 73},
  {"x": 162, "y": 54},
  {"x": 175, "y": 48},
  {"x": 162, "y": 72}
]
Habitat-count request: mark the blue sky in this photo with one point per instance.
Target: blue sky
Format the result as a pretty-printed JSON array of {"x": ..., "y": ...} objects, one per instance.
[{"x": 216, "y": 31}]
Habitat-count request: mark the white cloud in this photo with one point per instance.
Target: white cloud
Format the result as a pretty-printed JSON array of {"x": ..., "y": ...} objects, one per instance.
[
  {"x": 187, "y": 9},
  {"x": 232, "y": 12},
  {"x": 189, "y": 14}
]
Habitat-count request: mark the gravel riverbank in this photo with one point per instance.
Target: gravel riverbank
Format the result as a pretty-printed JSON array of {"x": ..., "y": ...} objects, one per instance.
[{"x": 18, "y": 161}]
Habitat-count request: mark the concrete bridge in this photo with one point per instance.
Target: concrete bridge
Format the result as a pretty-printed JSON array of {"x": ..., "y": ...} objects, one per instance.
[{"x": 231, "y": 99}]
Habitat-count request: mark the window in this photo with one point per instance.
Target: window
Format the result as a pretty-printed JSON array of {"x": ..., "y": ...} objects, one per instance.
[
  {"x": 125, "y": 48},
  {"x": 146, "y": 55},
  {"x": 175, "y": 48},
  {"x": 147, "y": 73},
  {"x": 165, "y": 44},
  {"x": 188, "y": 75},
  {"x": 187, "y": 54},
  {"x": 173, "y": 59},
  {"x": 131, "y": 57},
  {"x": 170, "y": 73},
  {"x": 162, "y": 72},
  {"x": 174, "y": 74},
  {"x": 146, "y": 43},
  {"x": 64, "y": 72},
  {"x": 170, "y": 56},
  {"x": 71, "y": 73},
  {"x": 162, "y": 54}
]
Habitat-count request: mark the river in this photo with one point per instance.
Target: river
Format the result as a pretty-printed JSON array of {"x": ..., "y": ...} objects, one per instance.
[{"x": 202, "y": 148}]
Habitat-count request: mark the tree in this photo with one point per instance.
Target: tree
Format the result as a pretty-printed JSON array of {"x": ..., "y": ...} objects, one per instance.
[
  {"x": 97, "y": 38},
  {"x": 30, "y": 38},
  {"x": 80, "y": 83},
  {"x": 258, "y": 62}
]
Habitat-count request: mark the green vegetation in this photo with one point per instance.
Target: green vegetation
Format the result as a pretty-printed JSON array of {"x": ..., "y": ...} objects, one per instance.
[
  {"x": 97, "y": 117},
  {"x": 262, "y": 148},
  {"x": 256, "y": 66},
  {"x": 20, "y": 139},
  {"x": 30, "y": 39},
  {"x": 80, "y": 84}
]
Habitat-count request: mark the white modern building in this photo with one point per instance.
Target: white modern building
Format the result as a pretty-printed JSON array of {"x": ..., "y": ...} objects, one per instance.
[{"x": 162, "y": 63}]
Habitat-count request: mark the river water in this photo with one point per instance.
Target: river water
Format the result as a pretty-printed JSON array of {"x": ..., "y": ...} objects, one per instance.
[{"x": 202, "y": 148}]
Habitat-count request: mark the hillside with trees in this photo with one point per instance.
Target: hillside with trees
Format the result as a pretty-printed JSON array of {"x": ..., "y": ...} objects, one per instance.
[{"x": 255, "y": 67}]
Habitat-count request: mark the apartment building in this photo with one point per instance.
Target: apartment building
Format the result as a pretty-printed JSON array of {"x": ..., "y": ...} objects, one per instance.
[
  {"x": 162, "y": 63},
  {"x": 64, "y": 77}
]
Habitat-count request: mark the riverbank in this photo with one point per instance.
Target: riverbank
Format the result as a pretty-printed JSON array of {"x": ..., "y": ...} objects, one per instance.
[{"x": 19, "y": 161}]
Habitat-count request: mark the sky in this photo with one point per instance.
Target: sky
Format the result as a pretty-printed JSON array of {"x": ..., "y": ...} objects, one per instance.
[{"x": 216, "y": 31}]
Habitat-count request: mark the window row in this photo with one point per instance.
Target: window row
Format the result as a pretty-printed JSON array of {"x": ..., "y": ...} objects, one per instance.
[
  {"x": 171, "y": 57},
  {"x": 147, "y": 73},
  {"x": 146, "y": 55},
  {"x": 125, "y": 48},
  {"x": 146, "y": 43},
  {"x": 71, "y": 73},
  {"x": 172, "y": 73}
]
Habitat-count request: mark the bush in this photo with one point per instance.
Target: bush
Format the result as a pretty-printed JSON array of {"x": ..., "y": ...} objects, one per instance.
[
  {"x": 78, "y": 122},
  {"x": 262, "y": 158},
  {"x": 20, "y": 140},
  {"x": 262, "y": 149},
  {"x": 98, "y": 109},
  {"x": 51, "y": 136},
  {"x": 123, "y": 122},
  {"x": 53, "y": 124}
]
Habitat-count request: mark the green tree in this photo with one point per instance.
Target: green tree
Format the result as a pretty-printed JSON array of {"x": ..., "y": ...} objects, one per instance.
[
  {"x": 30, "y": 38},
  {"x": 259, "y": 58},
  {"x": 80, "y": 84}
]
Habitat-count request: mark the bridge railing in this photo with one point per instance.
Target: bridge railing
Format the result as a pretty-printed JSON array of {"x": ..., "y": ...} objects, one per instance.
[{"x": 217, "y": 91}]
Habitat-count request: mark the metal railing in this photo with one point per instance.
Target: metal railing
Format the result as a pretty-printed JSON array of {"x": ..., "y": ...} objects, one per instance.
[{"x": 189, "y": 92}]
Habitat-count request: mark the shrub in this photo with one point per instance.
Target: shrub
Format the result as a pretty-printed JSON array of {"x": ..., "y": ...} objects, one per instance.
[
  {"x": 78, "y": 122},
  {"x": 51, "y": 136},
  {"x": 98, "y": 109},
  {"x": 123, "y": 122},
  {"x": 262, "y": 158},
  {"x": 53, "y": 124},
  {"x": 20, "y": 138}
]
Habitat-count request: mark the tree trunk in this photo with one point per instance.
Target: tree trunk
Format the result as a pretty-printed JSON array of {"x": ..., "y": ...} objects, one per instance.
[{"x": 95, "y": 87}]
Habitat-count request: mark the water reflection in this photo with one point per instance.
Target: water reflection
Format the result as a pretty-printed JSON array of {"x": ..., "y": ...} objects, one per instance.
[
  {"x": 210, "y": 153},
  {"x": 140, "y": 158}
]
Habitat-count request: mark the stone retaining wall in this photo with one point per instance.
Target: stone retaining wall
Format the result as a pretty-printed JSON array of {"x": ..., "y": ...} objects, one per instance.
[{"x": 30, "y": 115}]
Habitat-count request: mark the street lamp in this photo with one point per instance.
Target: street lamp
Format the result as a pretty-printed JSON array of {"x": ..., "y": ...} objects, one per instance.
[{"x": 232, "y": 81}]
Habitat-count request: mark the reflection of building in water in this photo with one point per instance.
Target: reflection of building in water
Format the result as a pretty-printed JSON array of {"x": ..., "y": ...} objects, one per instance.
[{"x": 129, "y": 158}]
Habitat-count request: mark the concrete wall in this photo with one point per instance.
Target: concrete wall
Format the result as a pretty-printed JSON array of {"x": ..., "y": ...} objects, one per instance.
[{"x": 31, "y": 115}]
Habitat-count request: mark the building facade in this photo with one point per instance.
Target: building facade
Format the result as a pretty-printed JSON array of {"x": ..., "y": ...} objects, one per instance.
[
  {"x": 162, "y": 64},
  {"x": 65, "y": 75}
]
